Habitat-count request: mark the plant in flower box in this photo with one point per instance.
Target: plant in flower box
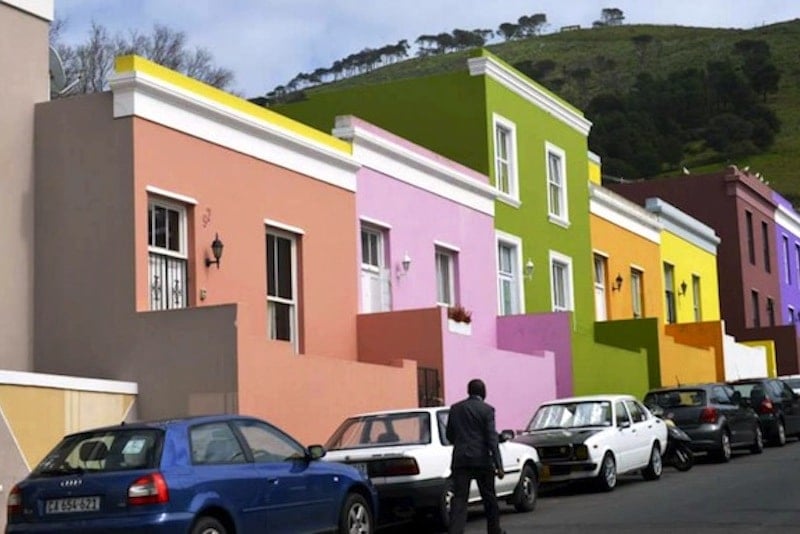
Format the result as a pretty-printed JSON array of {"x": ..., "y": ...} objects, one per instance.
[{"x": 459, "y": 314}]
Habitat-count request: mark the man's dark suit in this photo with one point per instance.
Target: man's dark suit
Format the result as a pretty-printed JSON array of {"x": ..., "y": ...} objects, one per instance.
[{"x": 471, "y": 430}]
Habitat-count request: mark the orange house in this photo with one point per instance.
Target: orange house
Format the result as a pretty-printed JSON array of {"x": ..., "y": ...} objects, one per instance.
[{"x": 204, "y": 248}]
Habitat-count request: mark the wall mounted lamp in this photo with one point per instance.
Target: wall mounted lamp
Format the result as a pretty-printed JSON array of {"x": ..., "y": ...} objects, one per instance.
[
  {"x": 216, "y": 250},
  {"x": 617, "y": 283},
  {"x": 683, "y": 288},
  {"x": 405, "y": 265},
  {"x": 529, "y": 269}
]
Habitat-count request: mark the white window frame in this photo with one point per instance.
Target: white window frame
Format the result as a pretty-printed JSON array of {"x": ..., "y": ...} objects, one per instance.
[
  {"x": 554, "y": 217},
  {"x": 637, "y": 300},
  {"x": 180, "y": 254},
  {"x": 696, "y": 302},
  {"x": 787, "y": 259},
  {"x": 451, "y": 257},
  {"x": 501, "y": 123},
  {"x": 600, "y": 284},
  {"x": 381, "y": 271},
  {"x": 293, "y": 302},
  {"x": 668, "y": 270},
  {"x": 568, "y": 297},
  {"x": 510, "y": 240}
]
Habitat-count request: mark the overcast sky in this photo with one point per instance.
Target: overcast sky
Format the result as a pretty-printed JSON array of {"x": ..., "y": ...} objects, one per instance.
[{"x": 267, "y": 42}]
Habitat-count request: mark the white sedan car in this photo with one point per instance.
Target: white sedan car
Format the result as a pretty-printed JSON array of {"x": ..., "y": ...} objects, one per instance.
[
  {"x": 407, "y": 456},
  {"x": 596, "y": 437}
]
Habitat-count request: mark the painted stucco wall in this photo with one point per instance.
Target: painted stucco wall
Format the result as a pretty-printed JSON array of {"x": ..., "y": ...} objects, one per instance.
[
  {"x": 634, "y": 367},
  {"x": 626, "y": 250},
  {"x": 742, "y": 361},
  {"x": 769, "y": 350},
  {"x": 689, "y": 260},
  {"x": 533, "y": 333},
  {"x": 516, "y": 383},
  {"x": 693, "y": 353},
  {"x": 787, "y": 226},
  {"x": 24, "y": 64}
]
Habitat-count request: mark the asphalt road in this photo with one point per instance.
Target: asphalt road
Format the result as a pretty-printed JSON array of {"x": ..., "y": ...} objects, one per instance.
[{"x": 750, "y": 494}]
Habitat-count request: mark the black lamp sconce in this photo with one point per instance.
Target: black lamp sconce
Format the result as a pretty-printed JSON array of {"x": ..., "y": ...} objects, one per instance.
[
  {"x": 683, "y": 288},
  {"x": 617, "y": 283},
  {"x": 216, "y": 250}
]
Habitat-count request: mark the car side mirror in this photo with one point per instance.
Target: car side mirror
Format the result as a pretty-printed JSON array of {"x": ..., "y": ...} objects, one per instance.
[
  {"x": 506, "y": 435},
  {"x": 315, "y": 452},
  {"x": 624, "y": 424}
]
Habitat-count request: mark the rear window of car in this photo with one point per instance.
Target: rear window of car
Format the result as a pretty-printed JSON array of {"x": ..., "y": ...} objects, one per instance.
[
  {"x": 678, "y": 398},
  {"x": 793, "y": 383},
  {"x": 104, "y": 451},
  {"x": 382, "y": 430},
  {"x": 752, "y": 390}
]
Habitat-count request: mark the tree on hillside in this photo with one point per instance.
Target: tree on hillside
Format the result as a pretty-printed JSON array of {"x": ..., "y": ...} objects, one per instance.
[
  {"x": 757, "y": 66},
  {"x": 509, "y": 31},
  {"x": 641, "y": 42},
  {"x": 90, "y": 62},
  {"x": 610, "y": 16}
]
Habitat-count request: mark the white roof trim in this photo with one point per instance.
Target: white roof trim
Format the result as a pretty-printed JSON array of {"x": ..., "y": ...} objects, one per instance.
[
  {"x": 375, "y": 222},
  {"x": 139, "y": 94},
  {"x": 42, "y": 380},
  {"x": 789, "y": 219},
  {"x": 683, "y": 225},
  {"x": 403, "y": 164},
  {"x": 617, "y": 210},
  {"x": 594, "y": 158},
  {"x": 528, "y": 90},
  {"x": 41, "y": 8}
]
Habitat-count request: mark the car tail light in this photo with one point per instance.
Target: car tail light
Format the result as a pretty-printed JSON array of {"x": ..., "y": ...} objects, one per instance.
[
  {"x": 708, "y": 415},
  {"x": 394, "y": 467},
  {"x": 149, "y": 489},
  {"x": 14, "y": 506},
  {"x": 766, "y": 406}
]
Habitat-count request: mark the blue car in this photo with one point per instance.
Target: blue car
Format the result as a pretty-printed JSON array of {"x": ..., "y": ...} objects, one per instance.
[{"x": 200, "y": 475}]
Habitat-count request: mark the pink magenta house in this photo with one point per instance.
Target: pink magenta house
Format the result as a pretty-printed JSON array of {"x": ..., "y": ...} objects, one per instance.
[
  {"x": 427, "y": 246},
  {"x": 204, "y": 248}
]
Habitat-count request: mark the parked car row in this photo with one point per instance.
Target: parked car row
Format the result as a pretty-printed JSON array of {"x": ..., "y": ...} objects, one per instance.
[{"x": 229, "y": 474}]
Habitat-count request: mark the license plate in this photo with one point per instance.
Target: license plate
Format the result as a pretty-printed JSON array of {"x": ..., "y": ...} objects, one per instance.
[
  {"x": 362, "y": 468},
  {"x": 72, "y": 504}
]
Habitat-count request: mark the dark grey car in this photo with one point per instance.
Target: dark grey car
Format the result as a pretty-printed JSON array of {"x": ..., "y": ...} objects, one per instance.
[
  {"x": 777, "y": 406},
  {"x": 714, "y": 416}
]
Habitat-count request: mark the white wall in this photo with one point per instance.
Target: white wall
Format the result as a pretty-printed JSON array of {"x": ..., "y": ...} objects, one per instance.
[{"x": 742, "y": 361}]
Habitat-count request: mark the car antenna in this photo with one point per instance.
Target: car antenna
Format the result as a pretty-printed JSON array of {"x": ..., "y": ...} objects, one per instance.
[{"x": 678, "y": 380}]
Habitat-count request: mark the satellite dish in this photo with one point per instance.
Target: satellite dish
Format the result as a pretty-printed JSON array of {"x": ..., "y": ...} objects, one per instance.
[{"x": 58, "y": 79}]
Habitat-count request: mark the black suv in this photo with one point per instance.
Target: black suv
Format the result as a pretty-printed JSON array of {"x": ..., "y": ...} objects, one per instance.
[
  {"x": 777, "y": 406},
  {"x": 712, "y": 414}
]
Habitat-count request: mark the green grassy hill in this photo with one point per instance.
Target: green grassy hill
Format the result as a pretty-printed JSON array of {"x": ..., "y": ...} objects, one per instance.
[{"x": 614, "y": 61}]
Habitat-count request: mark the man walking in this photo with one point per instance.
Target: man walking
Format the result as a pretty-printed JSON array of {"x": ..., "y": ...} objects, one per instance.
[{"x": 476, "y": 455}]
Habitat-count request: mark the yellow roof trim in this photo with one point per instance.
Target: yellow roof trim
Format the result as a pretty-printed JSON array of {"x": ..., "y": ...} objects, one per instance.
[{"x": 133, "y": 63}]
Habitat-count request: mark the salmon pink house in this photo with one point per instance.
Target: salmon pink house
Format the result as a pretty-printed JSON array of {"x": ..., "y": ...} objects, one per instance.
[
  {"x": 428, "y": 248},
  {"x": 204, "y": 248}
]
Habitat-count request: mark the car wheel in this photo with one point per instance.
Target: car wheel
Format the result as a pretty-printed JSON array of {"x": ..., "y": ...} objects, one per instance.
[
  {"x": 724, "y": 452},
  {"x": 208, "y": 525},
  {"x": 356, "y": 516},
  {"x": 655, "y": 467},
  {"x": 445, "y": 500},
  {"x": 758, "y": 443},
  {"x": 607, "y": 477},
  {"x": 524, "y": 499},
  {"x": 780, "y": 434}
]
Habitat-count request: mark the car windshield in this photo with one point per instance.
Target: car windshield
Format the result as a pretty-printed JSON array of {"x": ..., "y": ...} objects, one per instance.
[
  {"x": 793, "y": 383},
  {"x": 678, "y": 398},
  {"x": 572, "y": 415},
  {"x": 105, "y": 450},
  {"x": 381, "y": 430}
]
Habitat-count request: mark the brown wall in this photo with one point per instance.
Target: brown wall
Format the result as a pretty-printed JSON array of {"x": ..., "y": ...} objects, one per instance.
[
  {"x": 25, "y": 81},
  {"x": 409, "y": 334},
  {"x": 184, "y": 362}
]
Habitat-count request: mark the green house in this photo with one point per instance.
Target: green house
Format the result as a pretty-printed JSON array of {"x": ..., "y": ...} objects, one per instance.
[{"x": 533, "y": 145}]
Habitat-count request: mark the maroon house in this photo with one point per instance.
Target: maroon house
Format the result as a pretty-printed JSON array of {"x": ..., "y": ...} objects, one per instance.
[{"x": 740, "y": 208}]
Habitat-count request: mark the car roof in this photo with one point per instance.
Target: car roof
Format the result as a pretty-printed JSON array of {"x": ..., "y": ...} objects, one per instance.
[
  {"x": 164, "y": 423},
  {"x": 702, "y": 385},
  {"x": 589, "y": 398},
  {"x": 430, "y": 410}
]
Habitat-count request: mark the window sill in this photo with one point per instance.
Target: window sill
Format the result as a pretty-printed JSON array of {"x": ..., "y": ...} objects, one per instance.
[
  {"x": 505, "y": 198},
  {"x": 558, "y": 221}
]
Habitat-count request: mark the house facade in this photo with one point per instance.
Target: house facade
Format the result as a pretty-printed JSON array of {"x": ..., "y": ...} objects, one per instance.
[
  {"x": 163, "y": 170},
  {"x": 787, "y": 240},
  {"x": 746, "y": 260},
  {"x": 533, "y": 146},
  {"x": 427, "y": 246}
]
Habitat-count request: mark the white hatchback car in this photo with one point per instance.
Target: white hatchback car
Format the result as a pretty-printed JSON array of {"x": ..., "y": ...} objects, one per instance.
[
  {"x": 407, "y": 456},
  {"x": 596, "y": 437}
]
